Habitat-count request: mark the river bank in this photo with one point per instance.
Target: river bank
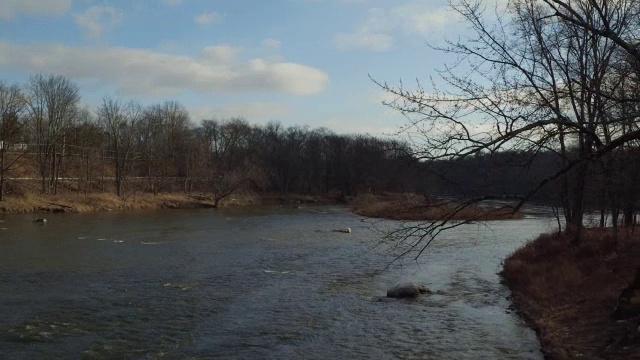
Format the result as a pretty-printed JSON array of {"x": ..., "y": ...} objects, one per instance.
[
  {"x": 413, "y": 207},
  {"x": 80, "y": 203},
  {"x": 568, "y": 293},
  {"x": 393, "y": 206}
]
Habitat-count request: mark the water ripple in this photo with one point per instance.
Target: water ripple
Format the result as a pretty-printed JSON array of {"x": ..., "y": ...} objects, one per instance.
[{"x": 265, "y": 285}]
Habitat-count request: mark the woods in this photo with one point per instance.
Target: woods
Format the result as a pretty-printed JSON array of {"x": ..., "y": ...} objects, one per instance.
[
  {"x": 125, "y": 147},
  {"x": 541, "y": 105}
]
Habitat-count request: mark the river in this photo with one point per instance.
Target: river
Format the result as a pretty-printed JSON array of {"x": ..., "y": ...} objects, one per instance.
[{"x": 269, "y": 283}]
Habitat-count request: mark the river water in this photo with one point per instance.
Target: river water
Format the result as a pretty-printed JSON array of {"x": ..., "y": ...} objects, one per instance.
[{"x": 251, "y": 284}]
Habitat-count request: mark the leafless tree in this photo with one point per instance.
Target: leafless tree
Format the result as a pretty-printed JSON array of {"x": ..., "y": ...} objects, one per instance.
[
  {"x": 231, "y": 163},
  {"x": 12, "y": 104},
  {"x": 163, "y": 135},
  {"x": 88, "y": 137},
  {"x": 52, "y": 104},
  {"x": 531, "y": 79},
  {"x": 121, "y": 121}
]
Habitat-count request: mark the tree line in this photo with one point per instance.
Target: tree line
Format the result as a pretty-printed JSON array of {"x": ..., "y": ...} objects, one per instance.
[
  {"x": 124, "y": 147},
  {"x": 542, "y": 104},
  {"x": 157, "y": 148}
]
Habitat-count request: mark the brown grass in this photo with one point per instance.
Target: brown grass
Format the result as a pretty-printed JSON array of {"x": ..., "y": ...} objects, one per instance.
[
  {"x": 567, "y": 293},
  {"x": 412, "y": 207},
  {"x": 27, "y": 199},
  {"x": 38, "y": 203}
]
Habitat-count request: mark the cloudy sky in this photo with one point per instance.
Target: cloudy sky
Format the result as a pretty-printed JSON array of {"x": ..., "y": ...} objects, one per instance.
[{"x": 304, "y": 62}]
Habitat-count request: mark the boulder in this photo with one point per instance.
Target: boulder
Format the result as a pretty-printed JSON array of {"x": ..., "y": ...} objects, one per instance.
[{"x": 406, "y": 290}]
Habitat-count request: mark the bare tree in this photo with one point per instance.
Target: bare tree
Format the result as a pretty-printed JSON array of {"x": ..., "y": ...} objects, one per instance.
[
  {"x": 163, "y": 135},
  {"x": 231, "y": 162},
  {"x": 88, "y": 138},
  {"x": 527, "y": 80},
  {"x": 121, "y": 121},
  {"x": 616, "y": 20},
  {"x": 12, "y": 104},
  {"x": 52, "y": 103},
  {"x": 176, "y": 133}
]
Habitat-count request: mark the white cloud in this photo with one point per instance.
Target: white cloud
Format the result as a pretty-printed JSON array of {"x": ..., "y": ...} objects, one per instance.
[
  {"x": 139, "y": 71},
  {"x": 221, "y": 53},
  {"x": 98, "y": 19},
  {"x": 256, "y": 111},
  {"x": 341, "y": 1},
  {"x": 207, "y": 18},
  {"x": 271, "y": 43},
  {"x": 363, "y": 40},
  {"x": 11, "y": 8},
  {"x": 418, "y": 17},
  {"x": 347, "y": 124}
]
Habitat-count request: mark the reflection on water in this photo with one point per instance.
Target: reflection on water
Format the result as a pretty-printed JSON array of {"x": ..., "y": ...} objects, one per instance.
[{"x": 263, "y": 283}]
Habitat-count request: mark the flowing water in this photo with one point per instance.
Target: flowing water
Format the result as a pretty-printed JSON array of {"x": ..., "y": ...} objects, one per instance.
[{"x": 262, "y": 283}]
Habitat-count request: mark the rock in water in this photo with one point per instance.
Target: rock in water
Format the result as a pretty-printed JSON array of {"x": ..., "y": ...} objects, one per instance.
[
  {"x": 406, "y": 290},
  {"x": 41, "y": 220}
]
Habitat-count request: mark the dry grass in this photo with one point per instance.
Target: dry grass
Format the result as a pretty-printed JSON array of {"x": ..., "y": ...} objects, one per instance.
[
  {"x": 567, "y": 293},
  {"x": 414, "y": 208},
  {"x": 38, "y": 203},
  {"x": 28, "y": 199}
]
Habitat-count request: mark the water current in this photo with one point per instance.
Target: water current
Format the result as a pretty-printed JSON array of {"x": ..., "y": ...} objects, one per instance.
[{"x": 269, "y": 283}]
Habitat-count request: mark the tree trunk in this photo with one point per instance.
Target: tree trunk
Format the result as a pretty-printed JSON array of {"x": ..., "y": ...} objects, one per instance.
[
  {"x": 53, "y": 171},
  {"x": 118, "y": 170},
  {"x": 574, "y": 223},
  {"x": 44, "y": 163},
  {"x": 2, "y": 170},
  {"x": 86, "y": 185}
]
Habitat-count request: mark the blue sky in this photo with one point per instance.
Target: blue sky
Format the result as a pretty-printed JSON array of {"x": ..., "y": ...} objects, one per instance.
[{"x": 302, "y": 62}]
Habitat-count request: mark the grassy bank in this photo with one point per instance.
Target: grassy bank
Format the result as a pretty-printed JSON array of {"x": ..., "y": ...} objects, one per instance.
[
  {"x": 76, "y": 202},
  {"x": 568, "y": 292},
  {"x": 413, "y": 207},
  {"x": 388, "y": 206},
  {"x": 38, "y": 203}
]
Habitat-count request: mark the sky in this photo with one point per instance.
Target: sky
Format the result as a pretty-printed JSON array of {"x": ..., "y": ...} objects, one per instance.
[{"x": 299, "y": 62}]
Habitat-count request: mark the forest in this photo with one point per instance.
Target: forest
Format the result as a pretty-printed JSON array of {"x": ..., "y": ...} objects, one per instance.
[{"x": 122, "y": 146}]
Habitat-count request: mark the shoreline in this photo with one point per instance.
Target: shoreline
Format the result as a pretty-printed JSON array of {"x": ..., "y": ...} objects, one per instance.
[
  {"x": 98, "y": 202},
  {"x": 413, "y": 207},
  {"x": 569, "y": 294},
  {"x": 392, "y": 206}
]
